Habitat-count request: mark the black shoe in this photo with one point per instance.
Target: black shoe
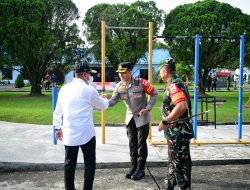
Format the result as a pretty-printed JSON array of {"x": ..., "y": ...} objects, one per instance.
[
  {"x": 130, "y": 173},
  {"x": 138, "y": 175}
]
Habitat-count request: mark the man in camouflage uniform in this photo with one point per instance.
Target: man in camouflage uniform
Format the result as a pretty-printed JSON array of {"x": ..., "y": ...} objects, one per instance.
[
  {"x": 176, "y": 105},
  {"x": 133, "y": 93}
]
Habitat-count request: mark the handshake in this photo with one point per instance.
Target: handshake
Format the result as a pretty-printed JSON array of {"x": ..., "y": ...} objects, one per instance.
[{"x": 104, "y": 96}]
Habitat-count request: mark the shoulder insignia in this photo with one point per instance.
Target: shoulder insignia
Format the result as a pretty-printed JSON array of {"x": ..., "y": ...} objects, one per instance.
[
  {"x": 148, "y": 88},
  {"x": 172, "y": 88}
]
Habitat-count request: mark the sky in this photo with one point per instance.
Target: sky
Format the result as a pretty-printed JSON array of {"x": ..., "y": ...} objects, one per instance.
[{"x": 166, "y": 5}]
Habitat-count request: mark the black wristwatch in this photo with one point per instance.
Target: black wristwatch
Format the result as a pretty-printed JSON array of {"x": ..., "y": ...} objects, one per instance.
[{"x": 164, "y": 122}]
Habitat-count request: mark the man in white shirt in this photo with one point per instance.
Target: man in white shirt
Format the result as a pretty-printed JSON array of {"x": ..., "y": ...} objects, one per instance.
[{"x": 75, "y": 104}]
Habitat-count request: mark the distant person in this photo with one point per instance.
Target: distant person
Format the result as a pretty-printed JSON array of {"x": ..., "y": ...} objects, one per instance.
[
  {"x": 236, "y": 79},
  {"x": 47, "y": 81},
  {"x": 133, "y": 93},
  {"x": 75, "y": 104},
  {"x": 184, "y": 78},
  {"x": 98, "y": 77},
  {"x": 228, "y": 82},
  {"x": 209, "y": 82},
  {"x": 244, "y": 78},
  {"x": 214, "y": 83},
  {"x": 53, "y": 79}
]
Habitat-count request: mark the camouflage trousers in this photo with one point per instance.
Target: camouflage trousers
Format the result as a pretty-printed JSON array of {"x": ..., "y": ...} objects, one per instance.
[{"x": 179, "y": 163}]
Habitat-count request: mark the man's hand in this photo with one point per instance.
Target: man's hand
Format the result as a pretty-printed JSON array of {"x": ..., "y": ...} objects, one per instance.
[
  {"x": 143, "y": 112},
  {"x": 59, "y": 134},
  {"x": 162, "y": 127},
  {"x": 104, "y": 96}
]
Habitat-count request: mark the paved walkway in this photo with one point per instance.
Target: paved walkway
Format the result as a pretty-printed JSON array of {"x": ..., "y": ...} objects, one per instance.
[
  {"x": 26, "y": 145},
  {"x": 220, "y": 177}
]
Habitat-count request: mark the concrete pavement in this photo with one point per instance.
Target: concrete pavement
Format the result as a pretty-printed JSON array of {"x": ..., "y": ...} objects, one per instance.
[
  {"x": 221, "y": 177},
  {"x": 29, "y": 150},
  {"x": 30, "y": 147}
]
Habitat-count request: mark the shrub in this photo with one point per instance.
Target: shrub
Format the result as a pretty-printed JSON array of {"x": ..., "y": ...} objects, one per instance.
[{"x": 19, "y": 83}]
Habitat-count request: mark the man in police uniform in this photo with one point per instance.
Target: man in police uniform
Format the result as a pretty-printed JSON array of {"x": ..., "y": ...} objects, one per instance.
[
  {"x": 176, "y": 105},
  {"x": 133, "y": 93}
]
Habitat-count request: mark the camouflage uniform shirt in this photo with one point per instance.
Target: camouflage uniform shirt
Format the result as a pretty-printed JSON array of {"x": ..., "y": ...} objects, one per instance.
[{"x": 178, "y": 136}]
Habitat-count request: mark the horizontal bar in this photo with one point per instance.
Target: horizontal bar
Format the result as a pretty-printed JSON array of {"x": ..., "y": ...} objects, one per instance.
[
  {"x": 200, "y": 143},
  {"x": 205, "y": 37},
  {"x": 127, "y": 27},
  {"x": 174, "y": 37},
  {"x": 221, "y": 37}
]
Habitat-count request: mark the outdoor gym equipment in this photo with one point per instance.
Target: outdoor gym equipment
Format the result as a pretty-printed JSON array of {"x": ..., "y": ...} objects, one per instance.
[
  {"x": 196, "y": 79},
  {"x": 150, "y": 49},
  {"x": 197, "y": 43},
  {"x": 247, "y": 105},
  {"x": 54, "y": 100},
  {"x": 196, "y": 74}
]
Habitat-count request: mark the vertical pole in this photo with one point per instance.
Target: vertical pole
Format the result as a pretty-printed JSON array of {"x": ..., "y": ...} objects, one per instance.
[
  {"x": 54, "y": 100},
  {"x": 202, "y": 119},
  {"x": 242, "y": 39},
  {"x": 150, "y": 55},
  {"x": 196, "y": 80},
  {"x": 206, "y": 110},
  {"x": 215, "y": 119},
  {"x": 103, "y": 76}
]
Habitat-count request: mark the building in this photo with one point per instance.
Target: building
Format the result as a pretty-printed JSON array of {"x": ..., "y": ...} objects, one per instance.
[
  {"x": 9, "y": 76},
  {"x": 140, "y": 69}
]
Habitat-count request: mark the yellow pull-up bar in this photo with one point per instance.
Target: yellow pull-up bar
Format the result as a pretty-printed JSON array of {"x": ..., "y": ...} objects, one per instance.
[{"x": 150, "y": 46}]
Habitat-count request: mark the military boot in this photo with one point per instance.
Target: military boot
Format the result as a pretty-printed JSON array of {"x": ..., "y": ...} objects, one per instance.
[
  {"x": 139, "y": 173},
  {"x": 131, "y": 170}
]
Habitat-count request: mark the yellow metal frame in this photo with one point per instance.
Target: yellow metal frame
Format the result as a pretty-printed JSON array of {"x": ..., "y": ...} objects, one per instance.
[
  {"x": 150, "y": 68},
  {"x": 150, "y": 55},
  {"x": 195, "y": 142},
  {"x": 103, "y": 115},
  {"x": 248, "y": 102},
  {"x": 243, "y": 142},
  {"x": 103, "y": 122}
]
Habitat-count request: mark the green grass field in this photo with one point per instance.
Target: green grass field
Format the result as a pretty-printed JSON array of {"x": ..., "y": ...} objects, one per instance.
[{"x": 19, "y": 107}]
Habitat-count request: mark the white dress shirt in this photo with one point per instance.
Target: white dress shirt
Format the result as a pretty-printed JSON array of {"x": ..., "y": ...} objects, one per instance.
[{"x": 75, "y": 104}]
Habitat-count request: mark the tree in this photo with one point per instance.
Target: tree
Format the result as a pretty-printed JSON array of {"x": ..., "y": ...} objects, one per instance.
[
  {"x": 19, "y": 83},
  {"x": 37, "y": 34},
  {"x": 121, "y": 45},
  {"x": 182, "y": 69},
  {"x": 206, "y": 18}
]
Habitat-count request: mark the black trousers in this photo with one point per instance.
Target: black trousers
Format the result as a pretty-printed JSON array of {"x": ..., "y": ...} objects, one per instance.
[
  {"x": 138, "y": 143},
  {"x": 89, "y": 156},
  {"x": 47, "y": 85},
  {"x": 214, "y": 87}
]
